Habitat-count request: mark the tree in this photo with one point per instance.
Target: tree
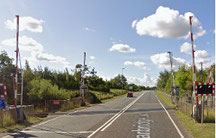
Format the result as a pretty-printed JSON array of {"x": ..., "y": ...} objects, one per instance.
[
  {"x": 118, "y": 81},
  {"x": 162, "y": 79},
  {"x": 7, "y": 75}
]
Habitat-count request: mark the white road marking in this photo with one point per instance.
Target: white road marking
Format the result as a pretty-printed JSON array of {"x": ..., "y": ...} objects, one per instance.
[
  {"x": 60, "y": 116},
  {"x": 143, "y": 127},
  {"x": 63, "y": 132},
  {"x": 48, "y": 132},
  {"x": 122, "y": 112},
  {"x": 44, "y": 122},
  {"x": 112, "y": 119},
  {"x": 179, "y": 132}
]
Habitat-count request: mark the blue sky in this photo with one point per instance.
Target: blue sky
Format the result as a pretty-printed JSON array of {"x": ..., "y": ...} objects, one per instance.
[{"x": 70, "y": 28}]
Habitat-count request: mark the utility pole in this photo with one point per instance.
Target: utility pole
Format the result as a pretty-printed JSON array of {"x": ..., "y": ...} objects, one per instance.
[
  {"x": 83, "y": 80},
  {"x": 21, "y": 98},
  {"x": 193, "y": 68},
  {"x": 16, "y": 73},
  {"x": 201, "y": 71},
  {"x": 122, "y": 78},
  {"x": 202, "y": 115},
  {"x": 172, "y": 75}
]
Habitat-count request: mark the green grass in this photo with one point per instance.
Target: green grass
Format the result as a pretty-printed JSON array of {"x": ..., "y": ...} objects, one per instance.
[
  {"x": 106, "y": 96},
  {"x": 198, "y": 130},
  {"x": 8, "y": 121},
  {"x": 165, "y": 99},
  {"x": 102, "y": 96},
  {"x": 118, "y": 92},
  {"x": 10, "y": 125},
  {"x": 211, "y": 115},
  {"x": 205, "y": 130}
]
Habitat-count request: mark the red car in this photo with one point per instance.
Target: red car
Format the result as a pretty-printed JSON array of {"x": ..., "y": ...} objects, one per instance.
[{"x": 129, "y": 94}]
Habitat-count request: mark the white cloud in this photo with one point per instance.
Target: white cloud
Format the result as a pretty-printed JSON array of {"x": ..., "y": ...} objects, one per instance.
[
  {"x": 25, "y": 43},
  {"x": 145, "y": 81},
  {"x": 201, "y": 56},
  {"x": 25, "y": 23},
  {"x": 122, "y": 48},
  {"x": 162, "y": 60},
  {"x": 36, "y": 52},
  {"x": 88, "y": 29},
  {"x": 128, "y": 63},
  {"x": 168, "y": 23},
  {"x": 92, "y": 57},
  {"x": 138, "y": 64},
  {"x": 186, "y": 48},
  {"x": 51, "y": 58},
  {"x": 134, "y": 23}
]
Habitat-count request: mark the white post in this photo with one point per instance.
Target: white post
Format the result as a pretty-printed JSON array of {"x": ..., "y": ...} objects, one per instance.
[
  {"x": 172, "y": 75},
  {"x": 17, "y": 51},
  {"x": 122, "y": 78},
  {"x": 21, "y": 99}
]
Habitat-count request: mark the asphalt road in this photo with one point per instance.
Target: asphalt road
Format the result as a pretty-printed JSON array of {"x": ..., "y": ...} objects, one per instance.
[{"x": 142, "y": 116}]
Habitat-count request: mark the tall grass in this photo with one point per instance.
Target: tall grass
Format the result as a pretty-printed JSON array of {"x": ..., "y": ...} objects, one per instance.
[{"x": 8, "y": 121}]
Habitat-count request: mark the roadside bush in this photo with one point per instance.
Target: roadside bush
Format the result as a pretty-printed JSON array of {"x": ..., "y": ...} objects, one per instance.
[
  {"x": 103, "y": 88},
  {"x": 41, "y": 89}
]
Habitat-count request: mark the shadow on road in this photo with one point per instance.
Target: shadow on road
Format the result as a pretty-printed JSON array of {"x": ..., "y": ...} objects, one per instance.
[
  {"x": 116, "y": 111},
  {"x": 22, "y": 135}
]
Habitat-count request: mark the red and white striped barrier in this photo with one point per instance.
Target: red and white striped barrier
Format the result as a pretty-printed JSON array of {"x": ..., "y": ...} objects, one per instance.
[
  {"x": 210, "y": 76},
  {"x": 17, "y": 52},
  {"x": 5, "y": 90},
  {"x": 213, "y": 89},
  {"x": 193, "y": 58}
]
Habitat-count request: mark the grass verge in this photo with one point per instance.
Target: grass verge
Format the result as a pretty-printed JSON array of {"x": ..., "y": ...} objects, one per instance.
[
  {"x": 198, "y": 130},
  {"x": 106, "y": 96},
  {"x": 205, "y": 130},
  {"x": 165, "y": 99},
  {"x": 10, "y": 126}
]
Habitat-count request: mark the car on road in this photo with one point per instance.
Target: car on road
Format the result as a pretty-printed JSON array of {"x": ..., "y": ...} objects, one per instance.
[{"x": 130, "y": 94}]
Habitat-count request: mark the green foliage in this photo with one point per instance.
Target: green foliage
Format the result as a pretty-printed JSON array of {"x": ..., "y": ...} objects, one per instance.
[
  {"x": 183, "y": 78},
  {"x": 41, "y": 90},
  {"x": 96, "y": 83},
  {"x": 162, "y": 79},
  {"x": 44, "y": 84},
  {"x": 118, "y": 82},
  {"x": 7, "y": 74}
]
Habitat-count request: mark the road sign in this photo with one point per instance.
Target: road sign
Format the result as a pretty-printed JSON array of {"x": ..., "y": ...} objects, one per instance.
[
  {"x": 130, "y": 87},
  {"x": 56, "y": 102},
  {"x": 2, "y": 103},
  {"x": 205, "y": 89},
  {"x": 84, "y": 88}
]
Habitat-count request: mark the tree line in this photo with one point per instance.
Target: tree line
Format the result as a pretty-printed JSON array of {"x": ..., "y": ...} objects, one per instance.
[
  {"x": 183, "y": 78},
  {"x": 40, "y": 84}
]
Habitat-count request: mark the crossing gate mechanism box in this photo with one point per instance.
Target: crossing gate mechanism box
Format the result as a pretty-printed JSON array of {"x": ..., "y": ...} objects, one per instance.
[
  {"x": 205, "y": 89},
  {"x": 176, "y": 90}
]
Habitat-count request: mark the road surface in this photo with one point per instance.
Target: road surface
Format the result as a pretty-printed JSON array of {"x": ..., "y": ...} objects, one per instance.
[{"x": 142, "y": 116}]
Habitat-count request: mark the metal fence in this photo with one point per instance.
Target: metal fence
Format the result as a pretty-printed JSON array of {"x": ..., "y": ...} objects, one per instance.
[
  {"x": 186, "y": 107},
  {"x": 55, "y": 105}
]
